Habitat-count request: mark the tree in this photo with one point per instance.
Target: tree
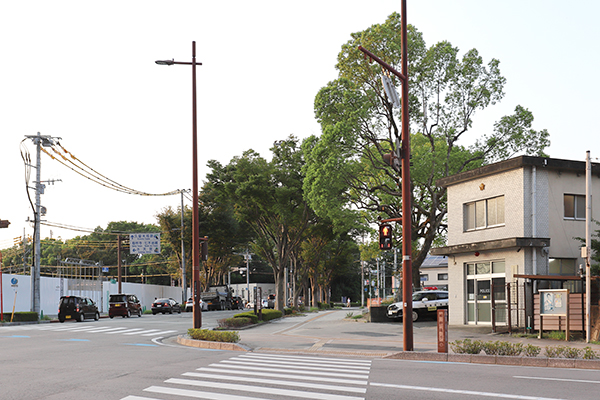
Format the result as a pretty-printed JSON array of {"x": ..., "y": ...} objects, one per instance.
[
  {"x": 268, "y": 197},
  {"x": 345, "y": 170}
]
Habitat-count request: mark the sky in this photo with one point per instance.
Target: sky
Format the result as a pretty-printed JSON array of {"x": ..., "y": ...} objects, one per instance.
[{"x": 84, "y": 72}]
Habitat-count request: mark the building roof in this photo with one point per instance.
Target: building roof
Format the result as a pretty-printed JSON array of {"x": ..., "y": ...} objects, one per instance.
[{"x": 518, "y": 162}]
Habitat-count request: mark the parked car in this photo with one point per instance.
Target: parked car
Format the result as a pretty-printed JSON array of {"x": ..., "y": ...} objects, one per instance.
[
  {"x": 271, "y": 301},
  {"x": 165, "y": 306},
  {"x": 189, "y": 305},
  {"x": 425, "y": 303},
  {"x": 77, "y": 308},
  {"x": 124, "y": 305}
]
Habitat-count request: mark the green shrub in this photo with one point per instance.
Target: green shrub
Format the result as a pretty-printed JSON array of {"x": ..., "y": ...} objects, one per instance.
[
  {"x": 214, "y": 336},
  {"x": 554, "y": 351},
  {"x": 531, "y": 351},
  {"x": 21, "y": 316},
  {"x": 248, "y": 314},
  {"x": 572, "y": 352},
  {"x": 269, "y": 314},
  {"x": 589, "y": 354},
  {"x": 235, "y": 322},
  {"x": 466, "y": 346}
]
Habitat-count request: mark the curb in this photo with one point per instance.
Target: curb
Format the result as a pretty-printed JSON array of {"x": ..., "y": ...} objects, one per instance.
[
  {"x": 497, "y": 360},
  {"x": 203, "y": 344}
]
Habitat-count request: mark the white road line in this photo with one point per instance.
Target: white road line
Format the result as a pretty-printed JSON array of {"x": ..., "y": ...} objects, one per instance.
[
  {"x": 123, "y": 330},
  {"x": 285, "y": 376},
  {"x": 139, "y": 398},
  {"x": 140, "y": 331},
  {"x": 262, "y": 389},
  {"x": 277, "y": 382},
  {"x": 71, "y": 328},
  {"x": 308, "y": 371},
  {"x": 158, "y": 333},
  {"x": 301, "y": 362},
  {"x": 464, "y": 392},
  {"x": 198, "y": 395},
  {"x": 300, "y": 358},
  {"x": 107, "y": 330},
  {"x": 556, "y": 379},
  {"x": 295, "y": 366}
]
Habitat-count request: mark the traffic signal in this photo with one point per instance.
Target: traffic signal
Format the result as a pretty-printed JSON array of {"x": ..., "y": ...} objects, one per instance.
[
  {"x": 4, "y": 223},
  {"x": 204, "y": 248},
  {"x": 385, "y": 237}
]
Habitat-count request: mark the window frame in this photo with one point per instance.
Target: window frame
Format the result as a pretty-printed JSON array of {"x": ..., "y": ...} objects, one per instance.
[
  {"x": 574, "y": 207},
  {"x": 475, "y": 211}
]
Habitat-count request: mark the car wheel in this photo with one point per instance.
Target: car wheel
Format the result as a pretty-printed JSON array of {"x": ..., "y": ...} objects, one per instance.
[
  {"x": 153, "y": 313},
  {"x": 61, "y": 319},
  {"x": 97, "y": 316},
  {"x": 415, "y": 316},
  {"x": 128, "y": 314},
  {"x": 111, "y": 316},
  {"x": 81, "y": 317},
  {"x": 140, "y": 312}
]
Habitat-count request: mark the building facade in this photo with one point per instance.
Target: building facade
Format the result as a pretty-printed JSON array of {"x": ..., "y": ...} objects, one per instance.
[{"x": 520, "y": 216}]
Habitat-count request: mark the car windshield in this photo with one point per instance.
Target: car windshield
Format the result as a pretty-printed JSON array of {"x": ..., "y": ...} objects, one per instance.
[{"x": 117, "y": 298}]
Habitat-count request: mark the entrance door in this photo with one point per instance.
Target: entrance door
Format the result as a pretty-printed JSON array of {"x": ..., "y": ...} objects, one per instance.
[{"x": 485, "y": 280}]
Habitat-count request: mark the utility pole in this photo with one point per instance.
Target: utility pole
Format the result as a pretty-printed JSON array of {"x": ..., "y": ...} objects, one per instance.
[
  {"x": 588, "y": 246},
  {"x": 183, "y": 277},
  {"x": 406, "y": 188},
  {"x": 39, "y": 141}
]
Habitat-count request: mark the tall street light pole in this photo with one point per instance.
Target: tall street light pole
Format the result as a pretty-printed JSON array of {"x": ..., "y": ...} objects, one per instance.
[
  {"x": 197, "y": 317},
  {"x": 406, "y": 189}
]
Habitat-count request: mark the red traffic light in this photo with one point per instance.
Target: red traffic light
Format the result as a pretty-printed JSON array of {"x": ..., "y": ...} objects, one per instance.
[{"x": 385, "y": 237}]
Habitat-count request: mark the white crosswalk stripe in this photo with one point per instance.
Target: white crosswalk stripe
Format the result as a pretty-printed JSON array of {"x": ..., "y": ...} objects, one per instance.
[
  {"x": 92, "y": 328},
  {"x": 290, "y": 376}
]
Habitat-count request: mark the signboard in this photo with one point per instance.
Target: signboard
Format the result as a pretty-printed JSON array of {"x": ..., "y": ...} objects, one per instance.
[
  {"x": 553, "y": 302},
  {"x": 14, "y": 282},
  {"x": 144, "y": 243}
]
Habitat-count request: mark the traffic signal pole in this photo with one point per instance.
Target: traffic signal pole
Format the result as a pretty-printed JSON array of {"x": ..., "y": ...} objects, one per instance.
[{"x": 406, "y": 188}]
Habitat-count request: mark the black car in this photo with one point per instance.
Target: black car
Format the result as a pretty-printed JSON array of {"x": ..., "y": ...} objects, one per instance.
[
  {"x": 237, "y": 303},
  {"x": 124, "y": 305},
  {"x": 165, "y": 306},
  {"x": 77, "y": 308}
]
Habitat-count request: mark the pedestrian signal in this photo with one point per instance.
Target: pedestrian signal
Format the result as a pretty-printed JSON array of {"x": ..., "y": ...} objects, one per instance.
[{"x": 385, "y": 237}]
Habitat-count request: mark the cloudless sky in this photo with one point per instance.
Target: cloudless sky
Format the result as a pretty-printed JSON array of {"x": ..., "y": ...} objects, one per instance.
[{"x": 84, "y": 71}]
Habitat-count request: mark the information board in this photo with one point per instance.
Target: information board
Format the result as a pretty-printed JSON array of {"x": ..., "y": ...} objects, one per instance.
[{"x": 144, "y": 243}]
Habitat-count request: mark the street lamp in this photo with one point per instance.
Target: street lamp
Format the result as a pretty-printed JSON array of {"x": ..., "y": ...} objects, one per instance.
[{"x": 195, "y": 230}]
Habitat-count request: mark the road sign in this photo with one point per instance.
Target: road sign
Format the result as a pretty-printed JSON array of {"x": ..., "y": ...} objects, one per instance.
[{"x": 144, "y": 243}]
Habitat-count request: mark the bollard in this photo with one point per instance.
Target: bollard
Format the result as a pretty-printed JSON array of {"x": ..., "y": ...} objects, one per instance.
[{"x": 442, "y": 330}]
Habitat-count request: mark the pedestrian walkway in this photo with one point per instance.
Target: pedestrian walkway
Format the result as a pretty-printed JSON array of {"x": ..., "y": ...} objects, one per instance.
[{"x": 254, "y": 376}]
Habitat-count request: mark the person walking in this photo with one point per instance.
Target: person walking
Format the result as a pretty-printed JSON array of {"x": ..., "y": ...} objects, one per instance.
[{"x": 348, "y": 302}]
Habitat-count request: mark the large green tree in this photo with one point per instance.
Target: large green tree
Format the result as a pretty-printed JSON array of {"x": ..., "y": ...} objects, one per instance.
[
  {"x": 345, "y": 171},
  {"x": 267, "y": 195}
]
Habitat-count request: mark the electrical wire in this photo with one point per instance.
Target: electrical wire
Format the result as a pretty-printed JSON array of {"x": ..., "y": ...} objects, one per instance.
[{"x": 81, "y": 168}]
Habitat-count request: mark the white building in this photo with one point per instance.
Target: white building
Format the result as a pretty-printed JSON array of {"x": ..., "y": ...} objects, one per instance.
[{"x": 518, "y": 216}]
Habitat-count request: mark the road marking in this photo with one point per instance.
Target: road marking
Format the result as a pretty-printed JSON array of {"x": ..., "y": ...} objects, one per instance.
[
  {"x": 140, "y": 344},
  {"x": 556, "y": 379},
  {"x": 199, "y": 395},
  {"x": 262, "y": 389},
  {"x": 16, "y": 336},
  {"x": 125, "y": 331},
  {"x": 366, "y": 363},
  {"x": 299, "y": 367},
  {"x": 73, "y": 340},
  {"x": 292, "y": 370},
  {"x": 106, "y": 330},
  {"x": 285, "y": 376},
  {"x": 277, "y": 382},
  {"x": 140, "y": 332},
  {"x": 464, "y": 392},
  {"x": 357, "y": 368},
  {"x": 158, "y": 333}
]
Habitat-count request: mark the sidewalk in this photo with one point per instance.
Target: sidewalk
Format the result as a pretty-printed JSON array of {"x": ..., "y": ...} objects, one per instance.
[{"x": 331, "y": 333}]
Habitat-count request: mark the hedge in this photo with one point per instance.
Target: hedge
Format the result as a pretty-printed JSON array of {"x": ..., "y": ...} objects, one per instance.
[
  {"x": 214, "y": 336},
  {"x": 267, "y": 315},
  {"x": 21, "y": 316}
]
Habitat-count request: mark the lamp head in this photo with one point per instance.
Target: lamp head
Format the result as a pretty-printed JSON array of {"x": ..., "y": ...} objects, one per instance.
[{"x": 165, "y": 62}]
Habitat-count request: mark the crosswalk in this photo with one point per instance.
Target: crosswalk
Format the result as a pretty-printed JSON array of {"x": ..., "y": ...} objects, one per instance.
[
  {"x": 254, "y": 376},
  {"x": 90, "y": 328}
]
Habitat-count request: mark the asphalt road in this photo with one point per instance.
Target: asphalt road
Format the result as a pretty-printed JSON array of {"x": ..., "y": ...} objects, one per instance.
[{"x": 311, "y": 357}]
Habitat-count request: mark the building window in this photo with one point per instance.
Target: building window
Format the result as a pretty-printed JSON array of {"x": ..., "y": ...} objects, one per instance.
[
  {"x": 442, "y": 277},
  {"x": 574, "y": 206},
  {"x": 424, "y": 277},
  {"x": 484, "y": 213}
]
